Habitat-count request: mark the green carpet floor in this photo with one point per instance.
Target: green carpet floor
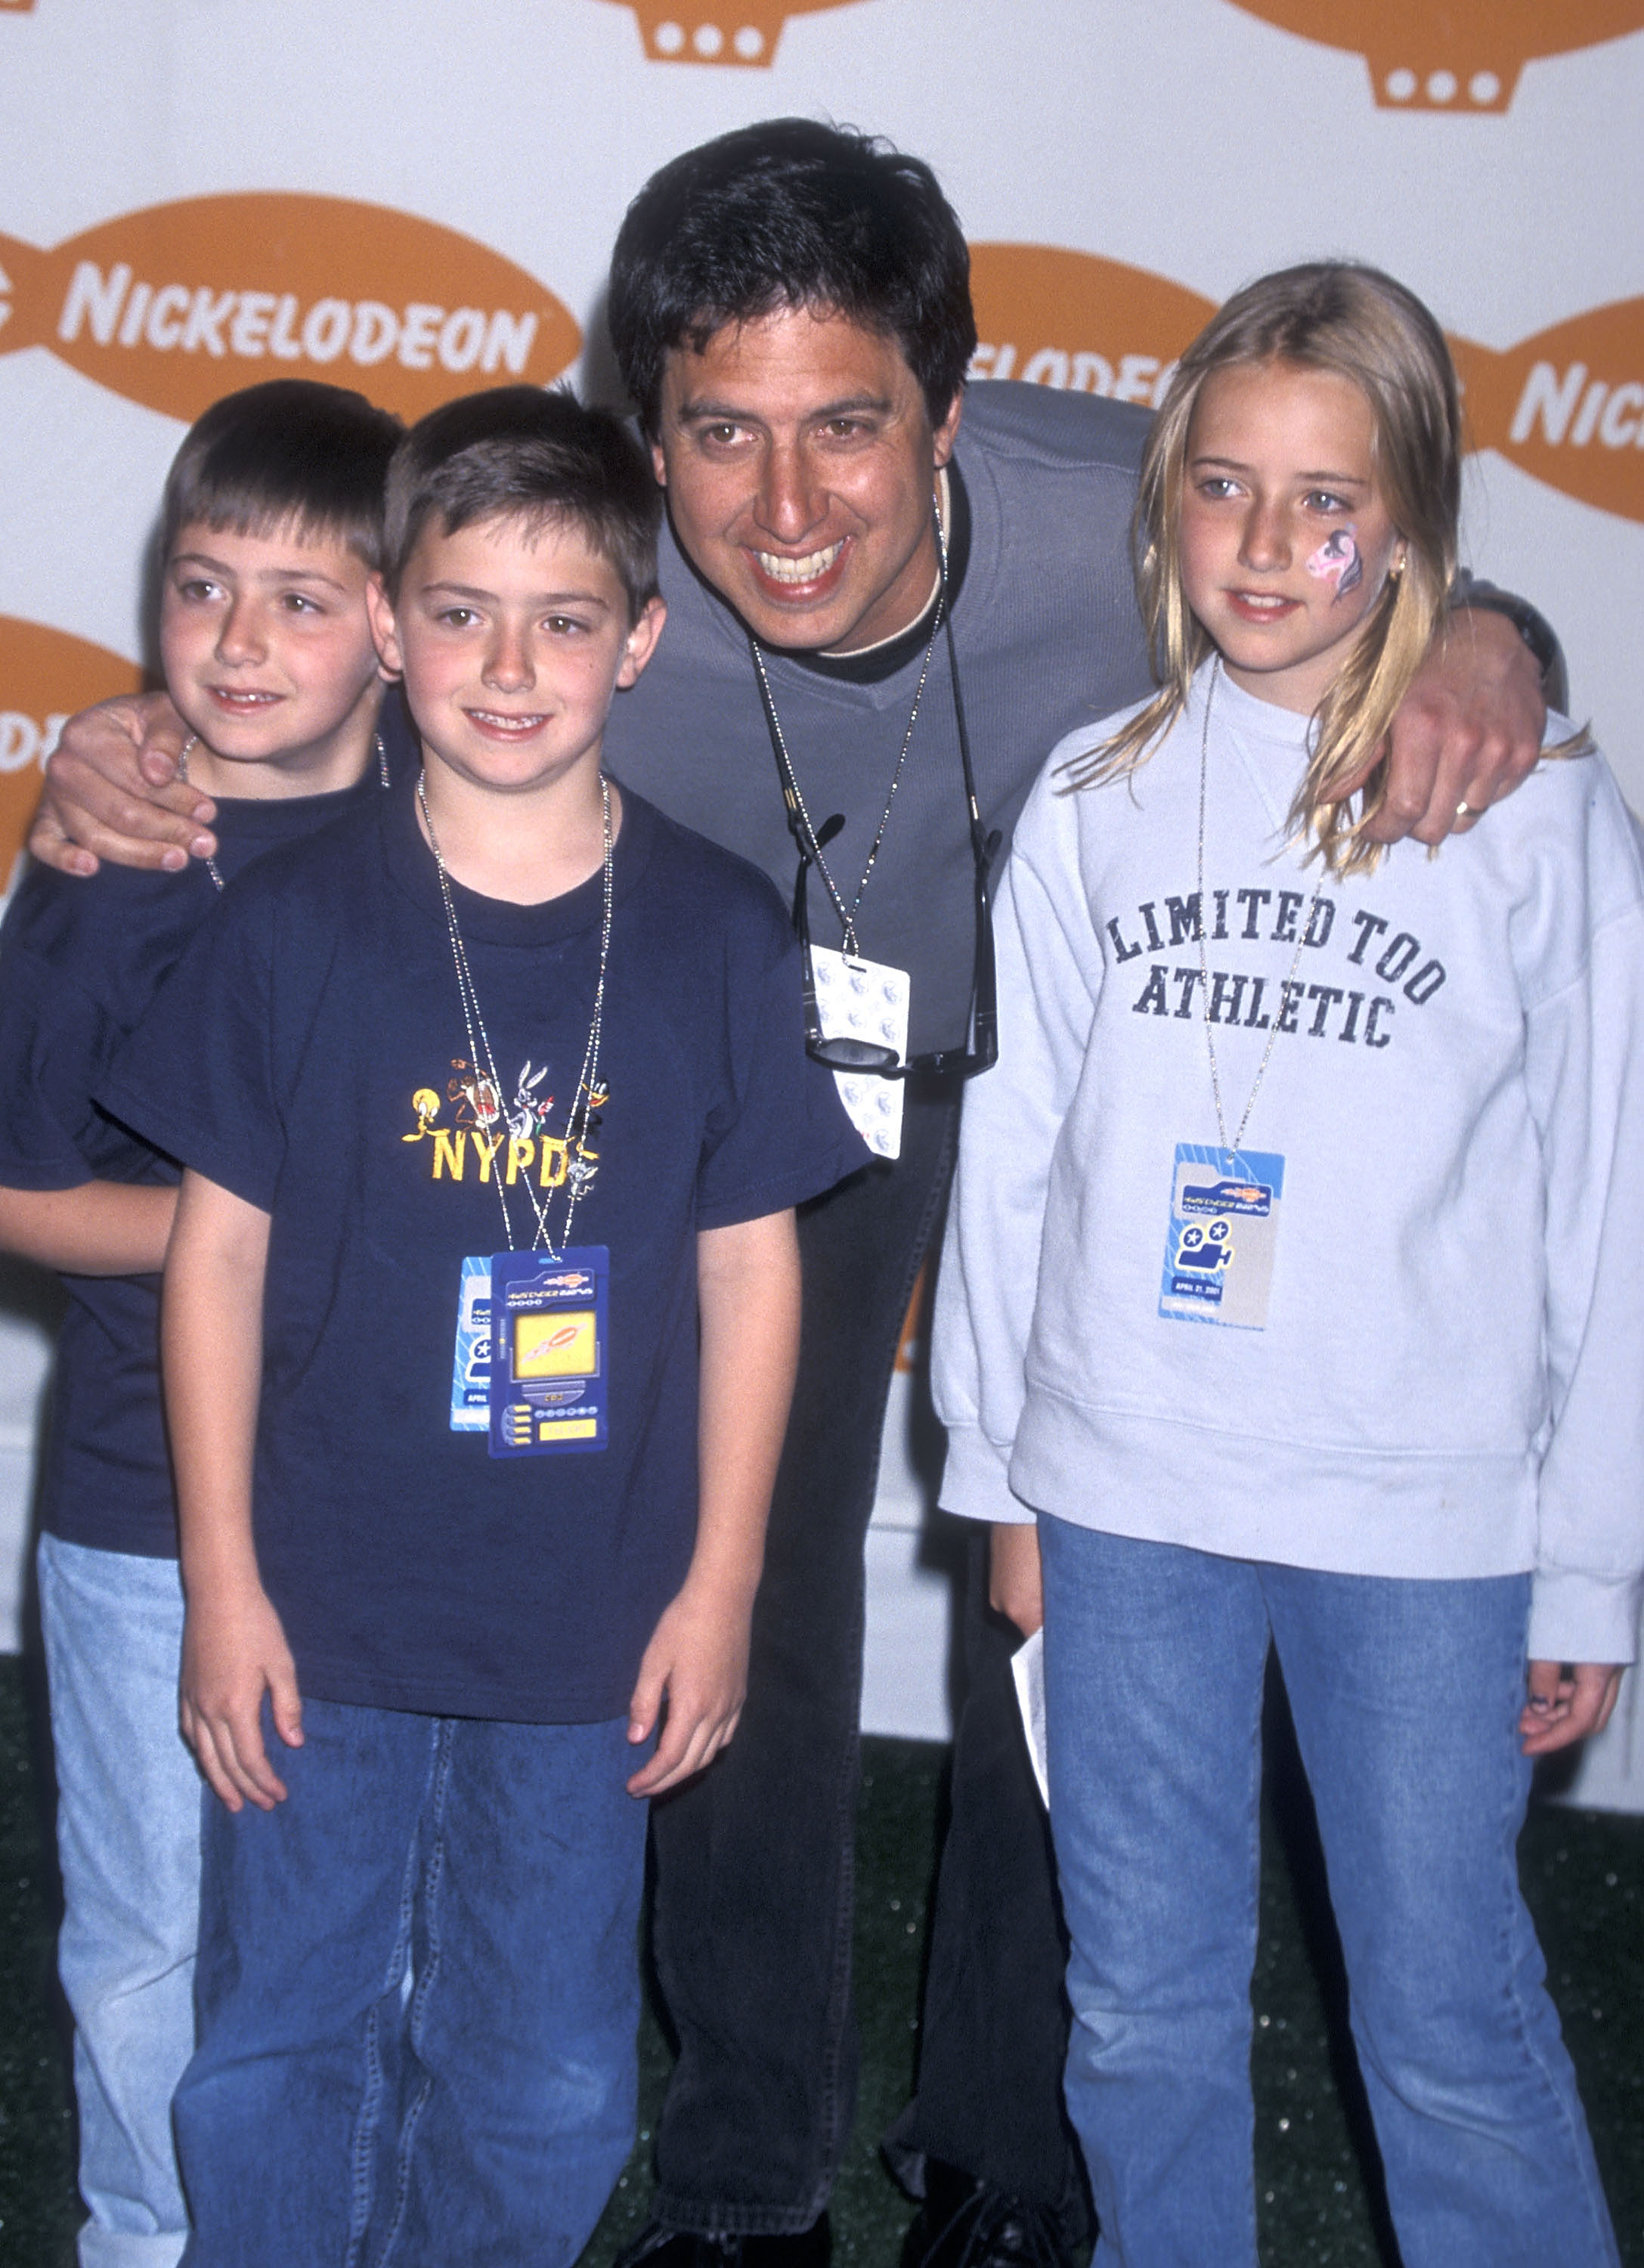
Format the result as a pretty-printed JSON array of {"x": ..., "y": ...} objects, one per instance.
[{"x": 1583, "y": 1873}]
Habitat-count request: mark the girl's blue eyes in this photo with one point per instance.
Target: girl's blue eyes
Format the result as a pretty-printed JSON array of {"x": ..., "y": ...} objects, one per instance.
[{"x": 1219, "y": 489}]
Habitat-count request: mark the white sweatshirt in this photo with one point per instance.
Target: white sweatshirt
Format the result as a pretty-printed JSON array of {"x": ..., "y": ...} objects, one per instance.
[{"x": 1450, "y": 1378}]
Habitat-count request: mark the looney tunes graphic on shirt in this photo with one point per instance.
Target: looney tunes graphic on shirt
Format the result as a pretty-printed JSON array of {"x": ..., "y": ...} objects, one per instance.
[{"x": 512, "y": 1137}]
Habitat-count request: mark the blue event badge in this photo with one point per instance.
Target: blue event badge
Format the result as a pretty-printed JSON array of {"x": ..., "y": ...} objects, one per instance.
[
  {"x": 471, "y": 1363},
  {"x": 548, "y": 1369},
  {"x": 1225, "y": 1224}
]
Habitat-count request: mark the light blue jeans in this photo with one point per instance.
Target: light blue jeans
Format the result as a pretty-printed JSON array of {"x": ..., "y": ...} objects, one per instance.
[
  {"x": 418, "y": 1998},
  {"x": 1405, "y": 1695},
  {"x": 129, "y": 1844}
]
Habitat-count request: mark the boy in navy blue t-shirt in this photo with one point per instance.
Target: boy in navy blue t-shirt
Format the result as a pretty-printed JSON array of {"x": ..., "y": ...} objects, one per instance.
[
  {"x": 272, "y": 523},
  {"x": 481, "y": 1321}
]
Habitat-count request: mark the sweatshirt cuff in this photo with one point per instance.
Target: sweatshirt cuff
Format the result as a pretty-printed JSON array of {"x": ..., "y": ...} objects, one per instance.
[
  {"x": 1581, "y": 1617},
  {"x": 975, "y": 1480}
]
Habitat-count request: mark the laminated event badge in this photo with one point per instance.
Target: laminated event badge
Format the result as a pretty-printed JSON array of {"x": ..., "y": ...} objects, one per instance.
[
  {"x": 1223, "y": 1228},
  {"x": 548, "y": 1351},
  {"x": 471, "y": 1364},
  {"x": 865, "y": 1000}
]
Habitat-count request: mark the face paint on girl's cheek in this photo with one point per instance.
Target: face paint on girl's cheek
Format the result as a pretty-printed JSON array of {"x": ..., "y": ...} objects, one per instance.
[{"x": 1336, "y": 561}]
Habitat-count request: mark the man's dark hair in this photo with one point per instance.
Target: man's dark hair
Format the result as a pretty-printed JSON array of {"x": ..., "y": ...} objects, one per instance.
[
  {"x": 288, "y": 453},
  {"x": 792, "y": 214},
  {"x": 516, "y": 453}
]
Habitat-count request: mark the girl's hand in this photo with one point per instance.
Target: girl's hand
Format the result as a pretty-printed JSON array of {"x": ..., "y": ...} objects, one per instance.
[
  {"x": 697, "y": 1659},
  {"x": 234, "y": 1652},
  {"x": 1568, "y": 1701},
  {"x": 1015, "y": 1586}
]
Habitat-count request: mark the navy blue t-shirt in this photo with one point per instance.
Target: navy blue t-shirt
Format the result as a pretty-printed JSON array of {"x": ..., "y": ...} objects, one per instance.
[
  {"x": 310, "y": 1054},
  {"x": 80, "y": 962}
]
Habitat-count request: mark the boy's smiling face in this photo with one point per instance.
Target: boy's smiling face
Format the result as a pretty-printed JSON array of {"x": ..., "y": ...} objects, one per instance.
[
  {"x": 267, "y": 649},
  {"x": 512, "y": 637}
]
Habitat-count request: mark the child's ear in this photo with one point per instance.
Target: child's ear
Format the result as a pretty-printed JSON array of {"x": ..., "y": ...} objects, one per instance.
[
  {"x": 642, "y": 640},
  {"x": 380, "y": 614}
]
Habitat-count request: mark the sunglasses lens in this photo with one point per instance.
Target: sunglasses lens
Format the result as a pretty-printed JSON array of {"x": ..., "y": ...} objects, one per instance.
[{"x": 852, "y": 1055}]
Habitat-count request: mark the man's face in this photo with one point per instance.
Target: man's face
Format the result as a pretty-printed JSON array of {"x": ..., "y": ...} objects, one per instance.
[{"x": 800, "y": 465}]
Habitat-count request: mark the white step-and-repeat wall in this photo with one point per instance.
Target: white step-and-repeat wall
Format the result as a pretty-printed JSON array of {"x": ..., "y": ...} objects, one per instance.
[{"x": 419, "y": 199}]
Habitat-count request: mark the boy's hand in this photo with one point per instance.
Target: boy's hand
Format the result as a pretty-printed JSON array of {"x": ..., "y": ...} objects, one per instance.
[
  {"x": 112, "y": 792},
  {"x": 697, "y": 1658},
  {"x": 1016, "y": 1587},
  {"x": 234, "y": 1652},
  {"x": 1469, "y": 731},
  {"x": 1568, "y": 1702}
]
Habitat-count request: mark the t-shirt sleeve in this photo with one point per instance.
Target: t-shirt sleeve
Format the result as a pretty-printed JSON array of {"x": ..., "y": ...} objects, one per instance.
[
  {"x": 778, "y": 1132},
  {"x": 56, "y": 1039},
  {"x": 196, "y": 1076}
]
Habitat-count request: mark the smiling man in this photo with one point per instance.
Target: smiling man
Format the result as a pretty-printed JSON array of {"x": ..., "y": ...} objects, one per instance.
[{"x": 877, "y": 608}]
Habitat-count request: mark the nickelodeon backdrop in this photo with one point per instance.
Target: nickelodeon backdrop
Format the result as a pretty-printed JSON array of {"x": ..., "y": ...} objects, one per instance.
[{"x": 419, "y": 201}]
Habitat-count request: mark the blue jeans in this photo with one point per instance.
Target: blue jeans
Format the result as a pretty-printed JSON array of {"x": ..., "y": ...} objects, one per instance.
[
  {"x": 129, "y": 1844},
  {"x": 418, "y": 1998},
  {"x": 1405, "y": 1695}
]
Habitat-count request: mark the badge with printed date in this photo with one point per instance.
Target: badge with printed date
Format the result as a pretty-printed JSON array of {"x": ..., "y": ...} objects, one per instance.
[
  {"x": 865, "y": 1000},
  {"x": 1223, "y": 1229},
  {"x": 548, "y": 1380}
]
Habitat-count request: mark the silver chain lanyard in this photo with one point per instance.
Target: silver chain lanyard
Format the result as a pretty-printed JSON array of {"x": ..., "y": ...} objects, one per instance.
[
  {"x": 576, "y": 1171},
  {"x": 791, "y": 782},
  {"x": 211, "y": 865},
  {"x": 1231, "y": 1148}
]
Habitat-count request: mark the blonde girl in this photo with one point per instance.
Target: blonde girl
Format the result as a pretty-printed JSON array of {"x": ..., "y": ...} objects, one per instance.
[{"x": 1289, "y": 1287}]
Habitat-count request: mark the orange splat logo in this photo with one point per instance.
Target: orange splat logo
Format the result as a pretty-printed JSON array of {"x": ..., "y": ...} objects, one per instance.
[
  {"x": 1068, "y": 318},
  {"x": 1464, "y": 57},
  {"x": 1566, "y": 406},
  {"x": 44, "y": 676},
  {"x": 719, "y": 31},
  {"x": 179, "y": 304}
]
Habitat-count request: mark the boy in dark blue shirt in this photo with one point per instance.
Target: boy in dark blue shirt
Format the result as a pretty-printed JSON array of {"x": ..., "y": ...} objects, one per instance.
[
  {"x": 514, "y": 1058},
  {"x": 272, "y": 523}
]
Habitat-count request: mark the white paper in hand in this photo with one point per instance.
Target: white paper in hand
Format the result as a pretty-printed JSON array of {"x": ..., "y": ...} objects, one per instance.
[
  {"x": 865, "y": 1000},
  {"x": 1027, "y": 1667}
]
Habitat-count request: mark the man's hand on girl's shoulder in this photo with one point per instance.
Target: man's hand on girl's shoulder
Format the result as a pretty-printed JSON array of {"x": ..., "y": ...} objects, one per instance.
[
  {"x": 112, "y": 792},
  {"x": 1469, "y": 731}
]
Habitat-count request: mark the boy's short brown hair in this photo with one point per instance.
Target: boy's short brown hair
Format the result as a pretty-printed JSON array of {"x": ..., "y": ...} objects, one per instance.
[
  {"x": 517, "y": 452},
  {"x": 289, "y": 453}
]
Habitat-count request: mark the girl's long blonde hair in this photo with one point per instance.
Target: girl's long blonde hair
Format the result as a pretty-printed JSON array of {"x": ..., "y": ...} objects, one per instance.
[{"x": 1357, "y": 322}]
